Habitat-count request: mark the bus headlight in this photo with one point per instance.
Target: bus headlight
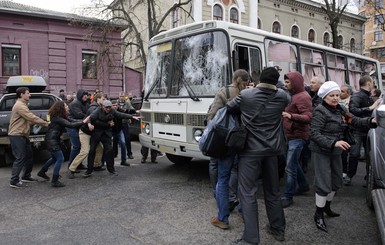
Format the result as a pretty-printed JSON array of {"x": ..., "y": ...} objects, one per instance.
[
  {"x": 198, "y": 134},
  {"x": 147, "y": 128}
]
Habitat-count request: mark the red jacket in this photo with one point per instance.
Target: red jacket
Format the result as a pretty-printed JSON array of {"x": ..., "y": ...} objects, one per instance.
[{"x": 300, "y": 109}]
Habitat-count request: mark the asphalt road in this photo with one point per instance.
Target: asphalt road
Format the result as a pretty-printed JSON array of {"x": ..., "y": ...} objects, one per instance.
[{"x": 160, "y": 204}]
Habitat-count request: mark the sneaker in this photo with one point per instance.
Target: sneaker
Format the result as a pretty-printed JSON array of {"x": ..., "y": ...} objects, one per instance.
[
  {"x": 154, "y": 161},
  {"x": 28, "y": 179},
  {"x": 125, "y": 164},
  {"x": 278, "y": 235},
  {"x": 43, "y": 175},
  {"x": 99, "y": 168},
  {"x": 114, "y": 173},
  {"x": 286, "y": 202},
  {"x": 57, "y": 184},
  {"x": 143, "y": 160},
  {"x": 18, "y": 185},
  {"x": 87, "y": 174},
  {"x": 347, "y": 180},
  {"x": 130, "y": 156},
  {"x": 71, "y": 175},
  {"x": 302, "y": 190},
  {"x": 215, "y": 222}
]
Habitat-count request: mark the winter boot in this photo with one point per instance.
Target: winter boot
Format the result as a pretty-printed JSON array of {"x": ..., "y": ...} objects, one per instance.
[
  {"x": 328, "y": 211},
  {"x": 56, "y": 182},
  {"x": 319, "y": 219}
]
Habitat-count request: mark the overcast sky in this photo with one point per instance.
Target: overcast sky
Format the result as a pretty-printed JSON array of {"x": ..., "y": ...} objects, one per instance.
[{"x": 70, "y": 6}]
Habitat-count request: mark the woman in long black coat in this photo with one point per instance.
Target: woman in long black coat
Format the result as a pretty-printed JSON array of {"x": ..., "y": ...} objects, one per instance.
[
  {"x": 327, "y": 141},
  {"x": 59, "y": 121}
]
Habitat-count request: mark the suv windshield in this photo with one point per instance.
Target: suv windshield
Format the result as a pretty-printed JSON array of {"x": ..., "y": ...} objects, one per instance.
[
  {"x": 199, "y": 66},
  {"x": 36, "y": 102}
]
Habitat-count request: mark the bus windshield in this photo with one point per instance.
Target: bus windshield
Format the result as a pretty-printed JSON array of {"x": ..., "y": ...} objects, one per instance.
[{"x": 193, "y": 66}]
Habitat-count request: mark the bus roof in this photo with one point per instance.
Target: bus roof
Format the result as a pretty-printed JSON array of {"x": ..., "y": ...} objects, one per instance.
[{"x": 212, "y": 24}]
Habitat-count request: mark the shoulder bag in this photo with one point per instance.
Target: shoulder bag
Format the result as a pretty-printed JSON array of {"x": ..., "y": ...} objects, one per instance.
[{"x": 237, "y": 136}]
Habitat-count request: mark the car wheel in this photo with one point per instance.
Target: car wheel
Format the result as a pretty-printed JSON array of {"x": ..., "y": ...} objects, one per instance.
[
  {"x": 66, "y": 148},
  {"x": 370, "y": 184},
  {"x": 6, "y": 159},
  {"x": 178, "y": 159}
]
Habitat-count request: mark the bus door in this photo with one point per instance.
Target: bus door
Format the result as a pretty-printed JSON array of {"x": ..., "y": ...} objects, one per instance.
[{"x": 248, "y": 58}]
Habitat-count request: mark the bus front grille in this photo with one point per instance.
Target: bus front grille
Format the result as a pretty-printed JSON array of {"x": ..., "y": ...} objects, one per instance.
[
  {"x": 195, "y": 120},
  {"x": 169, "y": 118},
  {"x": 145, "y": 116}
]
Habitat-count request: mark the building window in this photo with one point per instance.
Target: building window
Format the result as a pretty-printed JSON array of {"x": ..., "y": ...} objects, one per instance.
[
  {"x": 378, "y": 36},
  {"x": 352, "y": 45},
  {"x": 326, "y": 39},
  {"x": 380, "y": 53},
  {"x": 295, "y": 31},
  {"x": 217, "y": 12},
  {"x": 11, "y": 57},
  {"x": 311, "y": 36},
  {"x": 176, "y": 17},
  {"x": 276, "y": 27},
  {"x": 340, "y": 42},
  {"x": 89, "y": 70},
  {"x": 378, "y": 19},
  {"x": 234, "y": 16}
]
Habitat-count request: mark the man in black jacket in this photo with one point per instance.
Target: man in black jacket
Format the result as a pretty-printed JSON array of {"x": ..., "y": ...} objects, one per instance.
[
  {"x": 103, "y": 121},
  {"x": 84, "y": 138},
  {"x": 360, "y": 105},
  {"x": 77, "y": 110},
  {"x": 265, "y": 141}
]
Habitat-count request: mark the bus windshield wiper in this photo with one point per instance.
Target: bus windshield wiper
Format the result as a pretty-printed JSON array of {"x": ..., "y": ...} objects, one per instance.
[
  {"x": 190, "y": 91},
  {"x": 150, "y": 90}
]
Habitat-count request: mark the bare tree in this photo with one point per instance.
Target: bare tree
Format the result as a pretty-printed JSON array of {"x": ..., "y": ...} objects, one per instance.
[
  {"x": 141, "y": 20},
  {"x": 334, "y": 12}
]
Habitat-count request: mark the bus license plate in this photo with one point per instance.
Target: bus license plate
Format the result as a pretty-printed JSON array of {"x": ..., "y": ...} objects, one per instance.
[
  {"x": 166, "y": 149},
  {"x": 36, "y": 139}
]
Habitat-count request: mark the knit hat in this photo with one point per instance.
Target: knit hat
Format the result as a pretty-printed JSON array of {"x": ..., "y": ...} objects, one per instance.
[
  {"x": 328, "y": 87},
  {"x": 269, "y": 75},
  {"x": 107, "y": 103}
]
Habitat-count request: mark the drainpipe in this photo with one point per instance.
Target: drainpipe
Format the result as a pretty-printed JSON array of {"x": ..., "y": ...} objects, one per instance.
[{"x": 124, "y": 76}]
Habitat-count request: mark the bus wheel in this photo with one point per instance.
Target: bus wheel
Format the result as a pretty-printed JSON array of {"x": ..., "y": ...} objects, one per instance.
[{"x": 178, "y": 159}]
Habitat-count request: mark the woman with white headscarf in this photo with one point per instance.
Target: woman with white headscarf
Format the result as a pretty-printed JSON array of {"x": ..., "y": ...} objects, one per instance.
[{"x": 327, "y": 143}]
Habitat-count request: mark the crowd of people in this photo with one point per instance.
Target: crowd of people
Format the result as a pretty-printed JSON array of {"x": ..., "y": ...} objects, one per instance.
[
  {"x": 95, "y": 126},
  {"x": 284, "y": 119},
  {"x": 295, "y": 122}
]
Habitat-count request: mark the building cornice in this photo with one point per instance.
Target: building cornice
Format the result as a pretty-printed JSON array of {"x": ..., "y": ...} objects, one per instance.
[{"x": 316, "y": 7}]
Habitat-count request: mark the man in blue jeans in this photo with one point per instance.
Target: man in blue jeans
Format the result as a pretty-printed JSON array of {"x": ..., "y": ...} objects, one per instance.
[
  {"x": 296, "y": 121},
  {"x": 19, "y": 129},
  {"x": 77, "y": 110}
]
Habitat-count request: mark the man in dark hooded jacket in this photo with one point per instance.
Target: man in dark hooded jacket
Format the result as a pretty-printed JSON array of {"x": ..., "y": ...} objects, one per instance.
[
  {"x": 77, "y": 110},
  {"x": 296, "y": 121}
]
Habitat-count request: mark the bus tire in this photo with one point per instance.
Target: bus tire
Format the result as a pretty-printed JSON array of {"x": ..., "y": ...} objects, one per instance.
[{"x": 178, "y": 159}]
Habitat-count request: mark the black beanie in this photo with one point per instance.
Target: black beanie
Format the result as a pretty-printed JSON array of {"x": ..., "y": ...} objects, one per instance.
[{"x": 269, "y": 75}]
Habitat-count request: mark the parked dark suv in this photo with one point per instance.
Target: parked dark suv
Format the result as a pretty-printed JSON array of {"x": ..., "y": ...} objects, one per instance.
[{"x": 375, "y": 195}]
